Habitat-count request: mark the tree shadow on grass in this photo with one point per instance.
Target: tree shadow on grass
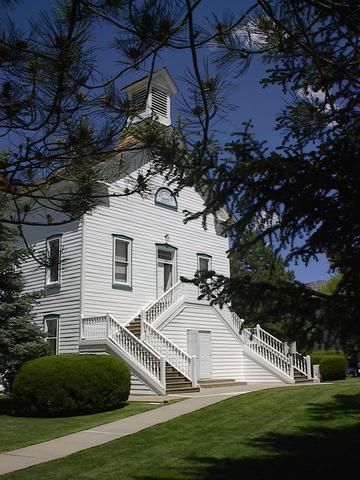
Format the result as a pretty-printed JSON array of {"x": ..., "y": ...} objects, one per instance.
[
  {"x": 311, "y": 453},
  {"x": 335, "y": 409}
]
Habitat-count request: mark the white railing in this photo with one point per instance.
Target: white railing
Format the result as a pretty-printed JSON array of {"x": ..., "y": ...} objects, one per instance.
[
  {"x": 106, "y": 326},
  {"x": 232, "y": 318},
  {"x": 94, "y": 327},
  {"x": 303, "y": 364},
  {"x": 268, "y": 339},
  {"x": 273, "y": 356},
  {"x": 167, "y": 299},
  {"x": 300, "y": 362},
  {"x": 165, "y": 347}
]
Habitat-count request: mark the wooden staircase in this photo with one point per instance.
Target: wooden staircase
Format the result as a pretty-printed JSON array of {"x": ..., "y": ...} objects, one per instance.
[
  {"x": 219, "y": 382},
  {"x": 176, "y": 382},
  {"x": 135, "y": 327},
  {"x": 299, "y": 377}
]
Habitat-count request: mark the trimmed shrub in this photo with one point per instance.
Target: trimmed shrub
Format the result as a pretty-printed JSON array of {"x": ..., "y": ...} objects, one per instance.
[
  {"x": 332, "y": 364},
  {"x": 333, "y": 367},
  {"x": 63, "y": 385}
]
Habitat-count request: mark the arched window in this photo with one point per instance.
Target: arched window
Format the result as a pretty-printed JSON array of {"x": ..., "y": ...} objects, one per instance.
[{"x": 166, "y": 198}]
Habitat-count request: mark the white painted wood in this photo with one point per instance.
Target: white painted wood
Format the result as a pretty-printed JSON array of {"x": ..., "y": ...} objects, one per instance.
[
  {"x": 192, "y": 342},
  {"x": 65, "y": 300},
  {"x": 226, "y": 349},
  {"x": 228, "y": 357},
  {"x": 204, "y": 353},
  {"x": 138, "y": 387},
  {"x": 147, "y": 224}
]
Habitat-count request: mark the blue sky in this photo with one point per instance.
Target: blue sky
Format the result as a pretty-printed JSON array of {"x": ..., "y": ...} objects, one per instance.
[{"x": 249, "y": 99}]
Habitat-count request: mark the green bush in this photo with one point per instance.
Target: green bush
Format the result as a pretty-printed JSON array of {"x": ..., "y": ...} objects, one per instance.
[
  {"x": 70, "y": 385},
  {"x": 332, "y": 364}
]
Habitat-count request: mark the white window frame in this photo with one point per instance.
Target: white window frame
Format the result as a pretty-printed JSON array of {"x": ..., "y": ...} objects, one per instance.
[
  {"x": 51, "y": 317},
  {"x": 205, "y": 257},
  {"x": 49, "y": 240},
  {"x": 129, "y": 241},
  {"x": 174, "y": 262}
]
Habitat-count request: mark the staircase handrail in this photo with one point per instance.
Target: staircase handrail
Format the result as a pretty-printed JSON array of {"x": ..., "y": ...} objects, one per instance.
[
  {"x": 255, "y": 339},
  {"x": 125, "y": 340},
  {"x": 268, "y": 338},
  {"x": 173, "y": 354},
  {"x": 272, "y": 355},
  {"x": 300, "y": 362},
  {"x": 162, "y": 303}
]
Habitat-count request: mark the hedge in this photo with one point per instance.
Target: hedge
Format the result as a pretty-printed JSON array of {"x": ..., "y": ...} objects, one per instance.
[
  {"x": 63, "y": 385},
  {"x": 332, "y": 364}
]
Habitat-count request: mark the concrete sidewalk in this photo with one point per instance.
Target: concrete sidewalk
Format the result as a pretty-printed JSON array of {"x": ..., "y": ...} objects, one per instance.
[{"x": 63, "y": 446}]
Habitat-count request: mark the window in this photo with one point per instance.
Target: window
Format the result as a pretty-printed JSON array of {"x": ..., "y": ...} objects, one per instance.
[
  {"x": 165, "y": 198},
  {"x": 122, "y": 261},
  {"x": 204, "y": 263},
  {"x": 51, "y": 327},
  {"x": 53, "y": 251}
]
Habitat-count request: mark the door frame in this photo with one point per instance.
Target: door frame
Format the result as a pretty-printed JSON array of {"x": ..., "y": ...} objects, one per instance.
[{"x": 174, "y": 250}]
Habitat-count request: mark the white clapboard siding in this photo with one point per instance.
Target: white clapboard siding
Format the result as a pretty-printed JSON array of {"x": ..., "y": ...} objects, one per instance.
[
  {"x": 226, "y": 350},
  {"x": 254, "y": 372},
  {"x": 66, "y": 301},
  {"x": 228, "y": 358},
  {"x": 147, "y": 224},
  {"x": 138, "y": 387}
]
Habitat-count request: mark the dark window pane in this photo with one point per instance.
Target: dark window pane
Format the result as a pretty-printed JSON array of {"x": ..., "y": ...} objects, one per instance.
[
  {"x": 203, "y": 265},
  {"x": 54, "y": 260},
  {"x": 51, "y": 327}
]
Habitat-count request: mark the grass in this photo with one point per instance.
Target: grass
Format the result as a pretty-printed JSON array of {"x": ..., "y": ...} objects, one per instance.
[
  {"x": 300, "y": 432},
  {"x": 17, "y": 432}
]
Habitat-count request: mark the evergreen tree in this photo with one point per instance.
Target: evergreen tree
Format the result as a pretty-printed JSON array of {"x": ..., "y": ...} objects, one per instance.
[
  {"x": 20, "y": 339},
  {"x": 260, "y": 266}
]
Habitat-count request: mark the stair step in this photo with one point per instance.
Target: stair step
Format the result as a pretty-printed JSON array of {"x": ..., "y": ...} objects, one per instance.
[
  {"x": 173, "y": 374},
  {"x": 179, "y": 381},
  {"x": 219, "y": 382},
  {"x": 206, "y": 381},
  {"x": 183, "y": 390}
]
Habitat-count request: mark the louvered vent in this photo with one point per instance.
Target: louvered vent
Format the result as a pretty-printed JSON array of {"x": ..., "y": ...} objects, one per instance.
[
  {"x": 138, "y": 100},
  {"x": 159, "y": 102}
]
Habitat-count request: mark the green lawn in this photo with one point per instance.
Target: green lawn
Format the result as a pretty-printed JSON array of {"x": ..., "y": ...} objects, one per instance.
[
  {"x": 17, "y": 432},
  {"x": 296, "y": 433}
]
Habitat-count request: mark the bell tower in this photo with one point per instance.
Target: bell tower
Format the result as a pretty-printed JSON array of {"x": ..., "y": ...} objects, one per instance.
[{"x": 152, "y": 96}]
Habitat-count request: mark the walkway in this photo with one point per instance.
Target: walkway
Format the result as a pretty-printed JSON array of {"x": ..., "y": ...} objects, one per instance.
[{"x": 63, "y": 446}]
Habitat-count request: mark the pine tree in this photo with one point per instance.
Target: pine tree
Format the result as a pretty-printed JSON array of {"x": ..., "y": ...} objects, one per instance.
[
  {"x": 20, "y": 338},
  {"x": 257, "y": 267}
]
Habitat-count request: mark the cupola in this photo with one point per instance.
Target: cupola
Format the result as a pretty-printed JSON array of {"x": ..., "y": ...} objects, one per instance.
[{"x": 152, "y": 98}]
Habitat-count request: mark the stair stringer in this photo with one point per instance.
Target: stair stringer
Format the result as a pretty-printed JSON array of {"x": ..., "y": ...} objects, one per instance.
[
  {"x": 265, "y": 364},
  {"x": 181, "y": 304},
  {"x": 108, "y": 346}
]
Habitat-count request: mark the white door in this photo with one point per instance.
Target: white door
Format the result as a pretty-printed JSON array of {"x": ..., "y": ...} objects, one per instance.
[
  {"x": 199, "y": 344},
  {"x": 204, "y": 353},
  {"x": 166, "y": 269},
  {"x": 164, "y": 277}
]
